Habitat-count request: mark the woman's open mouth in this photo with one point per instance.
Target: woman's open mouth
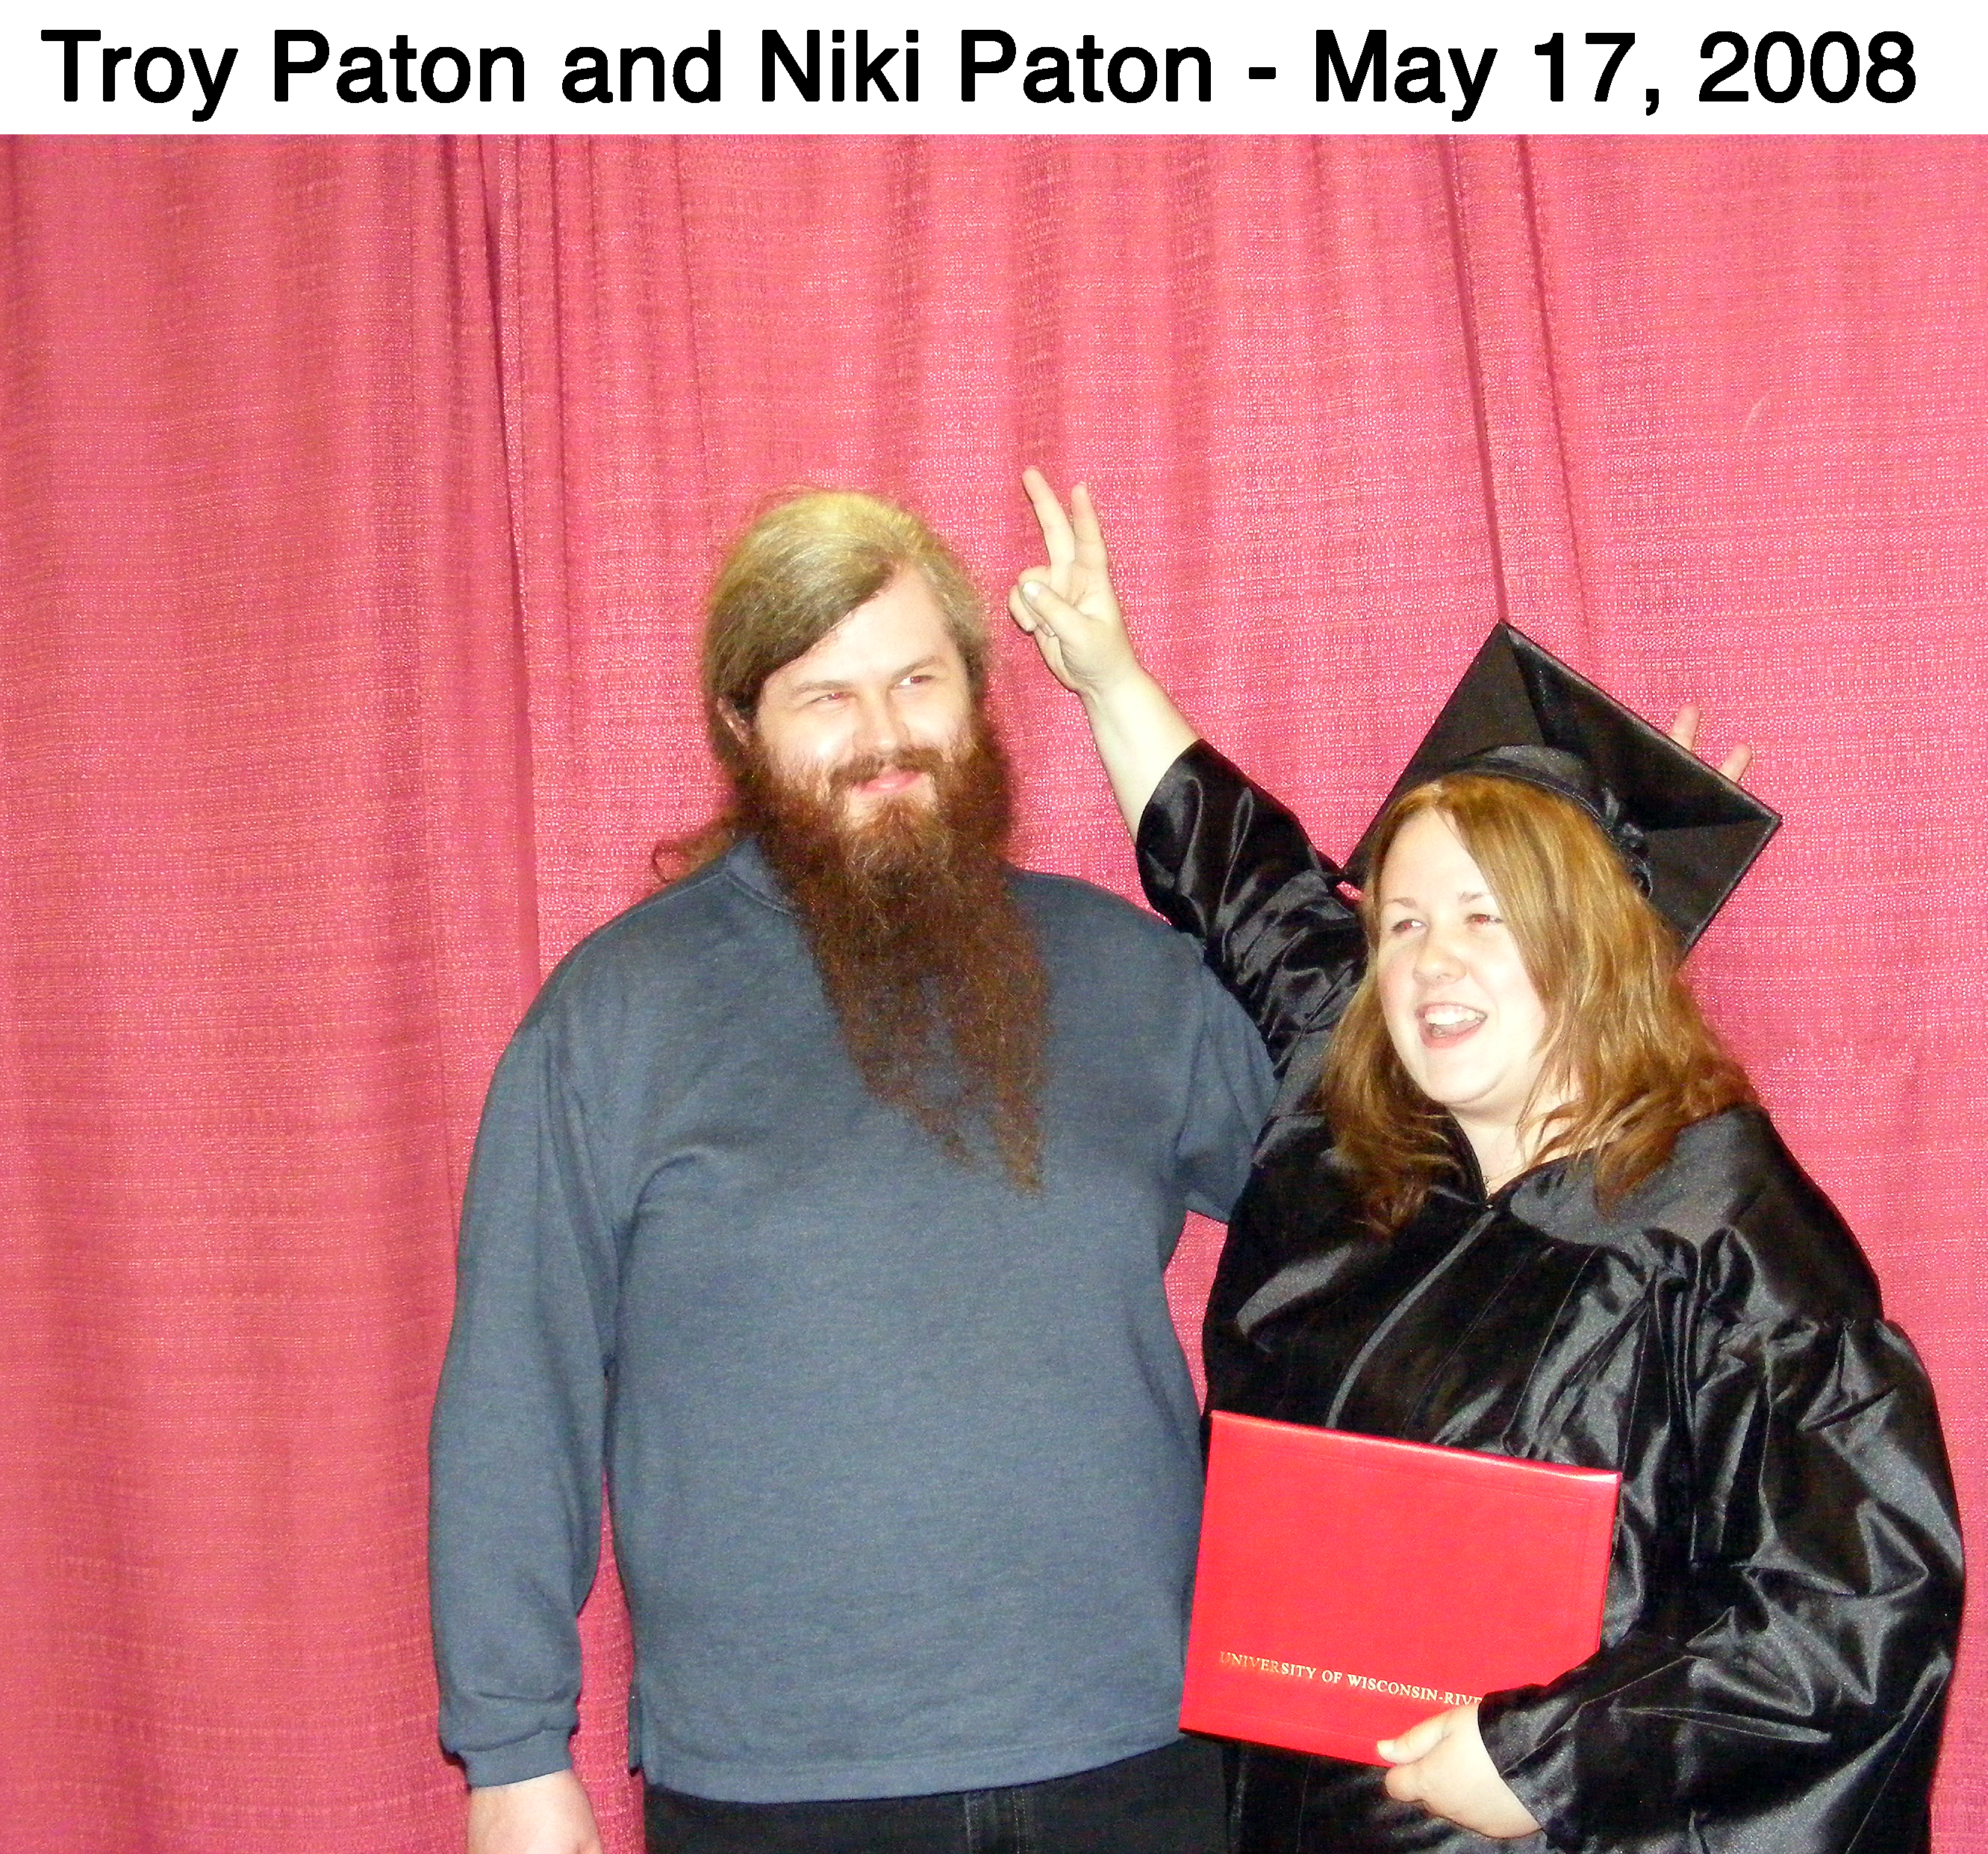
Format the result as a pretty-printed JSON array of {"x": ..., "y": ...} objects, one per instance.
[{"x": 1447, "y": 1023}]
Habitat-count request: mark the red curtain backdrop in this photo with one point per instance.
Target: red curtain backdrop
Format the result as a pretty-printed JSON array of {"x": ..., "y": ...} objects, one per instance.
[{"x": 357, "y": 501}]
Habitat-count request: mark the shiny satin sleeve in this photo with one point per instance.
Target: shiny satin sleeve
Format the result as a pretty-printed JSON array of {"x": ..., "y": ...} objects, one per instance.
[
  {"x": 1785, "y": 1689},
  {"x": 1224, "y": 862}
]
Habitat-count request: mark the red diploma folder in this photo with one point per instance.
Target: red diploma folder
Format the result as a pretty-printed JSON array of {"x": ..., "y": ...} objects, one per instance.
[{"x": 1349, "y": 1585}]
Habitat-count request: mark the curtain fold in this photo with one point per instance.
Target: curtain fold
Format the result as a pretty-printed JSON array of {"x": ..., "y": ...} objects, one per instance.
[{"x": 356, "y": 499}]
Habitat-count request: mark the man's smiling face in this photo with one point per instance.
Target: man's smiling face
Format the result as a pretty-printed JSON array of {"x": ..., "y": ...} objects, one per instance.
[{"x": 872, "y": 708}]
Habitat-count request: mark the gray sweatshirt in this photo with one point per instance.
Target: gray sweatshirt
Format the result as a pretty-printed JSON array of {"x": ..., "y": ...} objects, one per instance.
[{"x": 902, "y": 1462}]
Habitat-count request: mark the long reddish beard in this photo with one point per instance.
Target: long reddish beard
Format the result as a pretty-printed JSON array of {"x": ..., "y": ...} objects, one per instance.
[{"x": 930, "y": 968}]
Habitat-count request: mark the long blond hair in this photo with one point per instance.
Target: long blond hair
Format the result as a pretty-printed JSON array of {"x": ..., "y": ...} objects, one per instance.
[
  {"x": 801, "y": 568},
  {"x": 1626, "y": 1043},
  {"x": 804, "y": 564}
]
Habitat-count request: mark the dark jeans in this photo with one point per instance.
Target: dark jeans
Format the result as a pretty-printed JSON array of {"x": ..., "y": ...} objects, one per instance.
[{"x": 1165, "y": 1801}]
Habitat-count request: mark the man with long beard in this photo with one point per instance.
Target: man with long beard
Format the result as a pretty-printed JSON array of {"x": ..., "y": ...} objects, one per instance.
[{"x": 822, "y": 1199}]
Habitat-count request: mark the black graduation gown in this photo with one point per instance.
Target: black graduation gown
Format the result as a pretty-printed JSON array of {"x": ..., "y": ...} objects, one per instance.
[{"x": 1784, "y": 1591}]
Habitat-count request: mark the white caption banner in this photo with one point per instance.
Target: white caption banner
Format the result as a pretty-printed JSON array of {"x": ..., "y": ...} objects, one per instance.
[{"x": 1004, "y": 68}]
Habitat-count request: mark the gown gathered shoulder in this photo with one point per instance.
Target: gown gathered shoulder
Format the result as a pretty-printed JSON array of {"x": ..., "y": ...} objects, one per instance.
[{"x": 1784, "y": 1591}]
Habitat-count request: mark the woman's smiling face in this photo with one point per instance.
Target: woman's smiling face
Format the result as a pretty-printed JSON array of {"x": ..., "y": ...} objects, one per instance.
[{"x": 1459, "y": 1006}]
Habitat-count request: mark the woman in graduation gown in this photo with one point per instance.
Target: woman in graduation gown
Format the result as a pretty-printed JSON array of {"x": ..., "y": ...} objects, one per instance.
[{"x": 1515, "y": 1198}]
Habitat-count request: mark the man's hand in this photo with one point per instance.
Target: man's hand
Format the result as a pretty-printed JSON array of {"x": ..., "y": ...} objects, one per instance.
[
  {"x": 1684, "y": 731},
  {"x": 1068, "y": 606},
  {"x": 1441, "y": 1764},
  {"x": 549, "y": 1814}
]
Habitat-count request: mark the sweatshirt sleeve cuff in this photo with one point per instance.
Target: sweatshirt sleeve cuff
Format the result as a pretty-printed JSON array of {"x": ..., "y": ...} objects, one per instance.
[{"x": 537, "y": 1756}]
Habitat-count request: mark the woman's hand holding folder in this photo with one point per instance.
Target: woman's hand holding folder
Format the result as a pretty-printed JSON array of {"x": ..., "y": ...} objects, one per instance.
[{"x": 1441, "y": 1764}]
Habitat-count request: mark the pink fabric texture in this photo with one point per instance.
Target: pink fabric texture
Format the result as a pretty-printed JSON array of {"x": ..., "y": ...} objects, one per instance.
[{"x": 358, "y": 500}]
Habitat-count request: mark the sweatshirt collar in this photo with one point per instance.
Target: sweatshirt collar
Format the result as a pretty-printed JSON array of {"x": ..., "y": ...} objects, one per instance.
[{"x": 745, "y": 863}]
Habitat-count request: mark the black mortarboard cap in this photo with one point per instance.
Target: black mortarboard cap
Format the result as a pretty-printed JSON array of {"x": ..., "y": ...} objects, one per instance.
[{"x": 1687, "y": 832}]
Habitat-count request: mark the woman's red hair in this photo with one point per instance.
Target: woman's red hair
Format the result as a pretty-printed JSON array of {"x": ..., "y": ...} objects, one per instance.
[{"x": 1625, "y": 1042}]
